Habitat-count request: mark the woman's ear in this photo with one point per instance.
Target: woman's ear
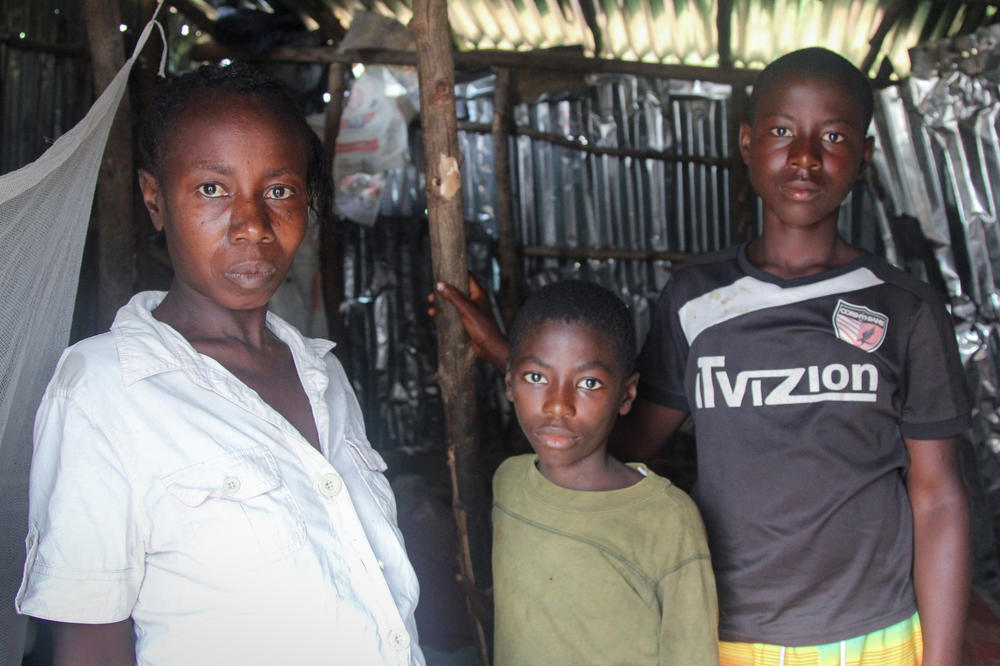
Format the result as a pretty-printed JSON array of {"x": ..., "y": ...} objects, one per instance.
[
  {"x": 508, "y": 391},
  {"x": 152, "y": 197}
]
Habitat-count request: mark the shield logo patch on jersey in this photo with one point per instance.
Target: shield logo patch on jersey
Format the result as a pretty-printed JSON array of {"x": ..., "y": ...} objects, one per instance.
[{"x": 859, "y": 326}]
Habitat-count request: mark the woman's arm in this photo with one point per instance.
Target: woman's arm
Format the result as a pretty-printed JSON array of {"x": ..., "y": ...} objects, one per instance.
[
  {"x": 941, "y": 547},
  {"x": 93, "y": 644}
]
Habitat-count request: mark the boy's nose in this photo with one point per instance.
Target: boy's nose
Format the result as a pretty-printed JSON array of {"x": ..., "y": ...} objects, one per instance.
[
  {"x": 249, "y": 221},
  {"x": 559, "y": 402},
  {"x": 804, "y": 153}
]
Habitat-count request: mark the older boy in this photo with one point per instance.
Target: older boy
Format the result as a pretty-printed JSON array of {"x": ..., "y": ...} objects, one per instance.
[
  {"x": 827, "y": 396},
  {"x": 594, "y": 561}
]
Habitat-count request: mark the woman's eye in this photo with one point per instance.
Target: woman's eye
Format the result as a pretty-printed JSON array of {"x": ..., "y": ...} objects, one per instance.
[
  {"x": 590, "y": 383},
  {"x": 211, "y": 190},
  {"x": 279, "y": 192},
  {"x": 781, "y": 131},
  {"x": 834, "y": 137},
  {"x": 534, "y": 378}
]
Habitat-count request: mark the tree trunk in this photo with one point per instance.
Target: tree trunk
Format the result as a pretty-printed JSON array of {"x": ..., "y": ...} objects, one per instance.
[
  {"x": 330, "y": 262},
  {"x": 510, "y": 269},
  {"x": 456, "y": 360},
  {"x": 115, "y": 240}
]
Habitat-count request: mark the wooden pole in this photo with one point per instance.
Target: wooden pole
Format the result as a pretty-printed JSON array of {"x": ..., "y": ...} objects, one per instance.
[
  {"x": 510, "y": 270},
  {"x": 436, "y": 71},
  {"x": 329, "y": 233},
  {"x": 115, "y": 239}
]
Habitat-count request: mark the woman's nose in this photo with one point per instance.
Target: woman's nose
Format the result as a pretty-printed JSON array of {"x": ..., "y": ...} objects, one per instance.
[{"x": 249, "y": 221}]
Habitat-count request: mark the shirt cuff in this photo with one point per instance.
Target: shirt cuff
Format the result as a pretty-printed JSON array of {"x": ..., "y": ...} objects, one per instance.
[{"x": 936, "y": 430}]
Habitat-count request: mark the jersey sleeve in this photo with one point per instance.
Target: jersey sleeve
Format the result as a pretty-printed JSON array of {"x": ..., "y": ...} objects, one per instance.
[
  {"x": 85, "y": 552},
  {"x": 664, "y": 356},
  {"x": 935, "y": 400}
]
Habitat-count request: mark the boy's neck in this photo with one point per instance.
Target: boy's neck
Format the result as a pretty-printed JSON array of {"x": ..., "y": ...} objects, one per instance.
[
  {"x": 791, "y": 253},
  {"x": 596, "y": 473}
]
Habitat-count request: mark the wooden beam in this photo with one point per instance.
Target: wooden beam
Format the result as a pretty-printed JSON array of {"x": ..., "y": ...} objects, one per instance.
[
  {"x": 201, "y": 15},
  {"x": 115, "y": 238},
  {"x": 330, "y": 261},
  {"x": 602, "y": 253},
  {"x": 889, "y": 19},
  {"x": 724, "y": 32},
  {"x": 560, "y": 62},
  {"x": 510, "y": 270},
  {"x": 456, "y": 361},
  {"x": 320, "y": 12},
  {"x": 75, "y": 50},
  {"x": 575, "y": 144}
]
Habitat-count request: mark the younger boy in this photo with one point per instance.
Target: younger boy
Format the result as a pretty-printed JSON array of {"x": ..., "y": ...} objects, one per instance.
[{"x": 594, "y": 561}]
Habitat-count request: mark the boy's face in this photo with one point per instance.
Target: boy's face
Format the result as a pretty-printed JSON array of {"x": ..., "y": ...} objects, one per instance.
[
  {"x": 805, "y": 150},
  {"x": 231, "y": 198},
  {"x": 567, "y": 388}
]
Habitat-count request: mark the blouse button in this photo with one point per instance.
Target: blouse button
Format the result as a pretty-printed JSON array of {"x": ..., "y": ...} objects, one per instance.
[
  {"x": 231, "y": 485},
  {"x": 330, "y": 484},
  {"x": 399, "y": 639}
]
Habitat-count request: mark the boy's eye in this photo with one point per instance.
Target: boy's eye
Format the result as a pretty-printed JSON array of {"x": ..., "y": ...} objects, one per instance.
[
  {"x": 781, "y": 131},
  {"x": 211, "y": 190},
  {"x": 279, "y": 192},
  {"x": 534, "y": 378},
  {"x": 834, "y": 137},
  {"x": 590, "y": 383}
]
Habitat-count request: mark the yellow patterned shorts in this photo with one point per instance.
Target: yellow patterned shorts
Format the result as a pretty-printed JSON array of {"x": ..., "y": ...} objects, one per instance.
[{"x": 902, "y": 644}]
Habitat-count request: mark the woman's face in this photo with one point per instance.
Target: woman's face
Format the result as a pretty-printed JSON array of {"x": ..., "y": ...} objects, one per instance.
[{"x": 231, "y": 198}]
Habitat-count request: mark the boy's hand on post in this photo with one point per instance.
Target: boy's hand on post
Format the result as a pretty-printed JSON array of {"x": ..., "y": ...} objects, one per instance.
[{"x": 488, "y": 341}]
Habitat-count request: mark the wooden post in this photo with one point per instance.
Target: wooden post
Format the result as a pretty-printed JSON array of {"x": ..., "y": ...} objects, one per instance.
[
  {"x": 510, "y": 269},
  {"x": 115, "y": 240},
  {"x": 436, "y": 70},
  {"x": 331, "y": 270},
  {"x": 739, "y": 180}
]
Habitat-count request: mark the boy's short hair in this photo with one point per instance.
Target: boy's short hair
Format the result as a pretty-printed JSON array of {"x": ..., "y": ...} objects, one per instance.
[
  {"x": 575, "y": 301},
  {"x": 820, "y": 64},
  {"x": 177, "y": 95}
]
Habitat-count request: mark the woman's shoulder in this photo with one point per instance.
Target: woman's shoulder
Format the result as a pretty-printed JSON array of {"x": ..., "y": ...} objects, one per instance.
[{"x": 89, "y": 363}]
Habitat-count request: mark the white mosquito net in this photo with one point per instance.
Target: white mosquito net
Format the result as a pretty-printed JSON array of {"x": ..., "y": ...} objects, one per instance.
[{"x": 44, "y": 212}]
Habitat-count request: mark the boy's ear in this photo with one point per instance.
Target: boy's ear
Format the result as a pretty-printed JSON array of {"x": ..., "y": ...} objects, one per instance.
[
  {"x": 152, "y": 197},
  {"x": 744, "y": 141},
  {"x": 628, "y": 395},
  {"x": 866, "y": 154},
  {"x": 507, "y": 388}
]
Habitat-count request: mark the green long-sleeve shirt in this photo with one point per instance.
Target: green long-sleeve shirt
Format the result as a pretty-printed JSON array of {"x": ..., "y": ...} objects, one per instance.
[{"x": 613, "y": 577}]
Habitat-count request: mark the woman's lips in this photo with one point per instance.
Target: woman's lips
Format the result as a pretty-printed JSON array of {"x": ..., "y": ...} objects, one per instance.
[{"x": 252, "y": 273}]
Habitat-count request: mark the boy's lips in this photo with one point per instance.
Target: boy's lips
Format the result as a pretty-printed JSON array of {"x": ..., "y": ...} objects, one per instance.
[
  {"x": 800, "y": 190},
  {"x": 556, "y": 437}
]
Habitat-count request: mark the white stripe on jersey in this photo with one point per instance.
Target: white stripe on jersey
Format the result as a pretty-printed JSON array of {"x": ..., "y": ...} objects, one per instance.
[{"x": 748, "y": 294}]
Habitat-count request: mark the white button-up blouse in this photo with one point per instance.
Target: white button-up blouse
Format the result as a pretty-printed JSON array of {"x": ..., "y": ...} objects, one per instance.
[{"x": 165, "y": 489}]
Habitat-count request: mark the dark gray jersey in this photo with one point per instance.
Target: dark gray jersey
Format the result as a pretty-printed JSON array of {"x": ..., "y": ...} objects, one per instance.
[{"x": 802, "y": 391}]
